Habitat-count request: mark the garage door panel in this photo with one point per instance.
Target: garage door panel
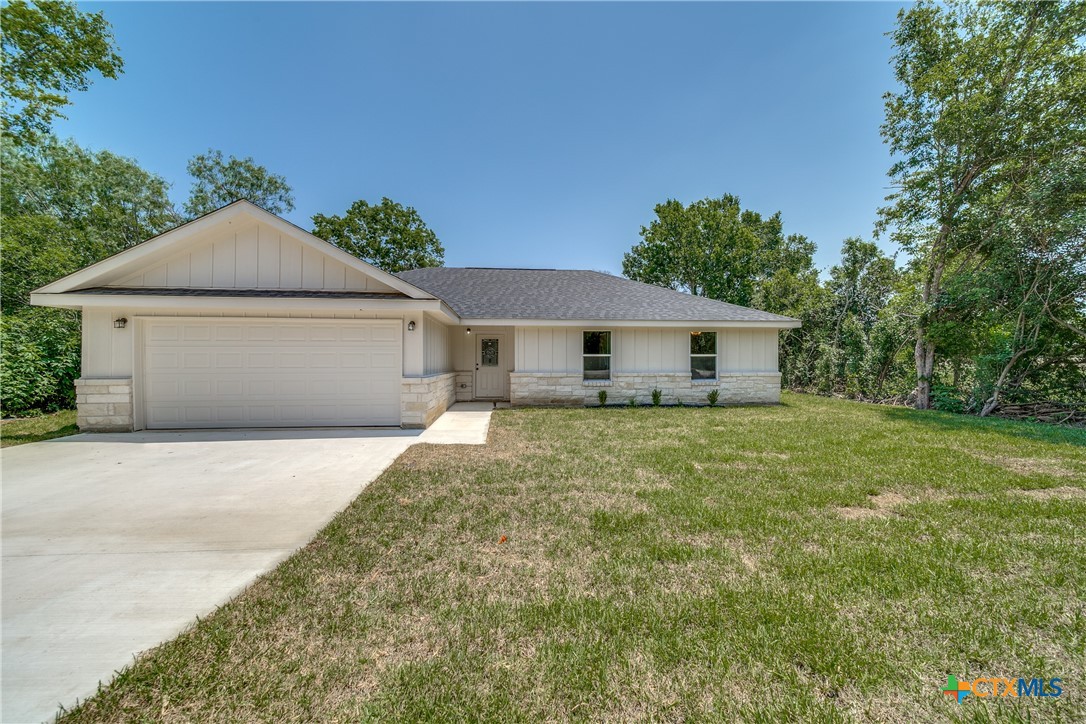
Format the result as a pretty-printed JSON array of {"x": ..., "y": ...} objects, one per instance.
[
  {"x": 228, "y": 332},
  {"x": 324, "y": 334},
  {"x": 196, "y": 333},
  {"x": 223, "y": 373}
]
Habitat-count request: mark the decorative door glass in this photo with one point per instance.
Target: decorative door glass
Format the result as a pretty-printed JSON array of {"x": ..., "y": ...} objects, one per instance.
[{"x": 489, "y": 352}]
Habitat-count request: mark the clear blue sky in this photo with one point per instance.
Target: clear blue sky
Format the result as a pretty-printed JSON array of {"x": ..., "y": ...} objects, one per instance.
[{"x": 525, "y": 135}]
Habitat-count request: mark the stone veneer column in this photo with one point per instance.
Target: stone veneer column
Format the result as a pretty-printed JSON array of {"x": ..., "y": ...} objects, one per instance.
[
  {"x": 424, "y": 399},
  {"x": 104, "y": 404}
]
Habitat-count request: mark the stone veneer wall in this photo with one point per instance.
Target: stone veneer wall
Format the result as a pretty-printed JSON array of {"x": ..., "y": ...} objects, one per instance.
[
  {"x": 104, "y": 404},
  {"x": 423, "y": 399},
  {"x": 560, "y": 388}
]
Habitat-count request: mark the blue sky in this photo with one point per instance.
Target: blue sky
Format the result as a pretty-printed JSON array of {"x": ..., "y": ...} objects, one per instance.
[{"x": 537, "y": 135}]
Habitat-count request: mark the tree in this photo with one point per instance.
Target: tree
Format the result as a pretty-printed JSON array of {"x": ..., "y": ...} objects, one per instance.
[
  {"x": 388, "y": 235},
  {"x": 62, "y": 207},
  {"x": 218, "y": 182},
  {"x": 1031, "y": 295},
  {"x": 714, "y": 248},
  {"x": 991, "y": 94},
  {"x": 50, "y": 49}
]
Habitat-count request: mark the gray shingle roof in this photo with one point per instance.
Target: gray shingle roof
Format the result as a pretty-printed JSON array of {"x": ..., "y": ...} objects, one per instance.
[{"x": 567, "y": 294}]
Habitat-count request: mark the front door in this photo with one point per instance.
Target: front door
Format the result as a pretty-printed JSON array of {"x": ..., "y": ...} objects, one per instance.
[{"x": 490, "y": 377}]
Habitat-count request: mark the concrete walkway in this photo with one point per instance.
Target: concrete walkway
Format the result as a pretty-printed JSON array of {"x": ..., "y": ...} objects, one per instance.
[{"x": 465, "y": 423}]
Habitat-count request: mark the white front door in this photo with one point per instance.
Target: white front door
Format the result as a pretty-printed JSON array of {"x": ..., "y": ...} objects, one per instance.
[
  {"x": 490, "y": 367},
  {"x": 210, "y": 372}
]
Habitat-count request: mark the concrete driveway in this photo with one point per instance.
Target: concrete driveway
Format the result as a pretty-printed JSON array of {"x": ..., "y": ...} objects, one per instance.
[{"x": 114, "y": 543}]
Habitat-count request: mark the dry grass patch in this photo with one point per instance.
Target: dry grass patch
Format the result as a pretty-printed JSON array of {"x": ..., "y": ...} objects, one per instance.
[
  {"x": 1062, "y": 493},
  {"x": 1034, "y": 466}
]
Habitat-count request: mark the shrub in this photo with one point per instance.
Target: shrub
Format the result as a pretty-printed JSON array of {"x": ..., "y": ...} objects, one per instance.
[
  {"x": 602, "y": 395},
  {"x": 713, "y": 396},
  {"x": 39, "y": 361},
  {"x": 632, "y": 402},
  {"x": 947, "y": 399},
  {"x": 656, "y": 397}
]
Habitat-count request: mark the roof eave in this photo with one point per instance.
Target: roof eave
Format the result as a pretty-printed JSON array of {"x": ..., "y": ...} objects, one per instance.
[
  {"x": 783, "y": 323},
  {"x": 74, "y": 300}
]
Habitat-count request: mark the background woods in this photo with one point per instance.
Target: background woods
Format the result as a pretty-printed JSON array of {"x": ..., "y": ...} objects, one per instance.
[{"x": 981, "y": 310}]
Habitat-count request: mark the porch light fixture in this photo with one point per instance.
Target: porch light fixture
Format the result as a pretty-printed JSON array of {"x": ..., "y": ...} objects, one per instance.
[
  {"x": 119, "y": 322},
  {"x": 411, "y": 326},
  {"x": 469, "y": 330}
]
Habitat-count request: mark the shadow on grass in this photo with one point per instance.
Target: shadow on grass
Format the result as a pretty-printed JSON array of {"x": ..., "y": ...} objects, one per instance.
[
  {"x": 38, "y": 429},
  {"x": 952, "y": 422}
]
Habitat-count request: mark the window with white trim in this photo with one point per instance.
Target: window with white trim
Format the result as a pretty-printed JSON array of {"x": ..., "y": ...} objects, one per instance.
[
  {"x": 596, "y": 353},
  {"x": 703, "y": 355}
]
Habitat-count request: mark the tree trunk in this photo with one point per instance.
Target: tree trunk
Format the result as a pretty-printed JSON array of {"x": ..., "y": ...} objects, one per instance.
[{"x": 925, "y": 368}]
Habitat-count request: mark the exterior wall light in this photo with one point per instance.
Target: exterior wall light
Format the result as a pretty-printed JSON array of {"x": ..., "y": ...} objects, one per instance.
[
  {"x": 469, "y": 330},
  {"x": 411, "y": 326},
  {"x": 120, "y": 322}
]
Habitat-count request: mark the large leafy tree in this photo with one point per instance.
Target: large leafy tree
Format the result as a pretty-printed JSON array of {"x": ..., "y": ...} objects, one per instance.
[
  {"x": 218, "y": 181},
  {"x": 991, "y": 94},
  {"x": 714, "y": 248},
  {"x": 62, "y": 207},
  {"x": 65, "y": 207},
  {"x": 50, "y": 49},
  {"x": 388, "y": 235}
]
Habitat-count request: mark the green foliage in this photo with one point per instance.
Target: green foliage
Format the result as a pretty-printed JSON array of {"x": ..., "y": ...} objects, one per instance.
[
  {"x": 62, "y": 208},
  {"x": 65, "y": 207},
  {"x": 50, "y": 49},
  {"x": 946, "y": 398},
  {"x": 602, "y": 397},
  {"x": 714, "y": 248},
  {"x": 218, "y": 182},
  {"x": 632, "y": 402},
  {"x": 992, "y": 96},
  {"x": 656, "y": 397},
  {"x": 713, "y": 397},
  {"x": 40, "y": 360},
  {"x": 388, "y": 235}
]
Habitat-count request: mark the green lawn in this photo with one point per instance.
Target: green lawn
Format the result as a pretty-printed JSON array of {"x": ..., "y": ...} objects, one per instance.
[
  {"x": 821, "y": 561},
  {"x": 36, "y": 429}
]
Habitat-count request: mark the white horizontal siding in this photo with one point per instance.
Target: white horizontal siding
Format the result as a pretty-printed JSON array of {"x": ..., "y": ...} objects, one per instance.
[
  {"x": 255, "y": 256},
  {"x": 644, "y": 349}
]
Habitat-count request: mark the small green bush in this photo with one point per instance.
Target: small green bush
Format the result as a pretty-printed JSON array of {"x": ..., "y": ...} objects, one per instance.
[
  {"x": 602, "y": 395},
  {"x": 656, "y": 397},
  {"x": 39, "y": 361},
  {"x": 947, "y": 399},
  {"x": 713, "y": 396},
  {"x": 632, "y": 402}
]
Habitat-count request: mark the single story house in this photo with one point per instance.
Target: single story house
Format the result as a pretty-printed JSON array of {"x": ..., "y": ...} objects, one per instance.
[{"x": 241, "y": 319}]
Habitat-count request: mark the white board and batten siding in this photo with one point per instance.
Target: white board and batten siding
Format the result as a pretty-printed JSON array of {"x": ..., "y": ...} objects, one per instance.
[
  {"x": 253, "y": 256},
  {"x": 437, "y": 346},
  {"x": 206, "y": 372},
  {"x": 645, "y": 349}
]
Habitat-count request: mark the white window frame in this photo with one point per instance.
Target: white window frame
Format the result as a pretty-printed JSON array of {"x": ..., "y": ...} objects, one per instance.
[
  {"x": 611, "y": 341},
  {"x": 716, "y": 353}
]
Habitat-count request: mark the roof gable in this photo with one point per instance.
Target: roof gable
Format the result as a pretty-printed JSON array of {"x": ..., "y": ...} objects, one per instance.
[{"x": 239, "y": 246}]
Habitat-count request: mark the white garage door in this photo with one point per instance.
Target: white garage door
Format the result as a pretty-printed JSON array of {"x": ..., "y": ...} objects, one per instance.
[{"x": 270, "y": 373}]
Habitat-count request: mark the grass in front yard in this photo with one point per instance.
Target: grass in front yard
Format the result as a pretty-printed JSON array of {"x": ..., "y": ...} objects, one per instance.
[
  {"x": 36, "y": 429},
  {"x": 822, "y": 560}
]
